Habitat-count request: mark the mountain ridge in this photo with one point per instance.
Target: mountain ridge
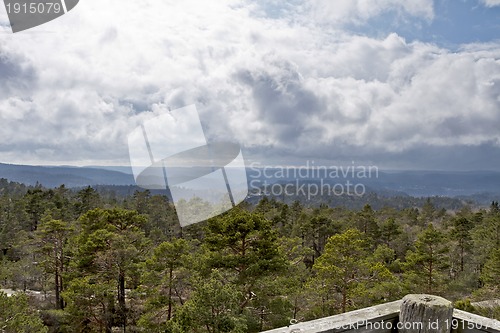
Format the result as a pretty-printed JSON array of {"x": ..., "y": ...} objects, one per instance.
[{"x": 410, "y": 182}]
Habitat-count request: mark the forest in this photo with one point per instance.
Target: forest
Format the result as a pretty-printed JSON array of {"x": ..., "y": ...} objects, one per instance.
[{"x": 89, "y": 261}]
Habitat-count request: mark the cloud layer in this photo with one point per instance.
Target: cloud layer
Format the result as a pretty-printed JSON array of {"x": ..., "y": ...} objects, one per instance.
[
  {"x": 359, "y": 11},
  {"x": 283, "y": 80},
  {"x": 491, "y": 3}
]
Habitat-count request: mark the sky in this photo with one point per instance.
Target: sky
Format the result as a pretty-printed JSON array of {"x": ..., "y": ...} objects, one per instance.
[{"x": 408, "y": 84}]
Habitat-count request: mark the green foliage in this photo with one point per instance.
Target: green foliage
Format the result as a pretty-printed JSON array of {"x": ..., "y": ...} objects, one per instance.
[
  {"x": 464, "y": 305},
  {"x": 164, "y": 278},
  {"x": 389, "y": 231},
  {"x": 486, "y": 236},
  {"x": 107, "y": 258},
  {"x": 491, "y": 272},
  {"x": 461, "y": 234},
  {"x": 366, "y": 223},
  {"x": 90, "y": 304},
  {"x": 52, "y": 236},
  {"x": 426, "y": 265},
  {"x": 244, "y": 243},
  {"x": 130, "y": 266},
  {"x": 86, "y": 199},
  {"x": 57, "y": 321},
  {"x": 213, "y": 307},
  {"x": 428, "y": 211},
  {"x": 16, "y": 316},
  {"x": 347, "y": 267}
]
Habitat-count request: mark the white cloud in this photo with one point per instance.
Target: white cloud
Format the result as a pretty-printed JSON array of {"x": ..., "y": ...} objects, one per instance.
[
  {"x": 423, "y": 96},
  {"x": 73, "y": 89},
  {"x": 358, "y": 11},
  {"x": 491, "y": 3}
]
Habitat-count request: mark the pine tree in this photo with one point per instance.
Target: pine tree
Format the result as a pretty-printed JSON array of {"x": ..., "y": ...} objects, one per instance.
[
  {"x": 365, "y": 221},
  {"x": 107, "y": 256},
  {"x": 426, "y": 265},
  {"x": 346, "y": 267},
  {"x": 16, "y": 316},
  {"x": 213, "y": 307},
  {"x": 245, "y": 245},
  {"x": 52, "y": 236},
  {"x": 162, "y": 279},
  {"x": 461, "y": 234}
]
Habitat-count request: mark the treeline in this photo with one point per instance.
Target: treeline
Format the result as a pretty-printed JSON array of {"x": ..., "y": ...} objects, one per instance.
[{"x": 94, "y": 263}]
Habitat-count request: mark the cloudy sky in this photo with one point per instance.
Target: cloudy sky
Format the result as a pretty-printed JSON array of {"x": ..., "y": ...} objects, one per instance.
[{"x": 401, "y": 84}]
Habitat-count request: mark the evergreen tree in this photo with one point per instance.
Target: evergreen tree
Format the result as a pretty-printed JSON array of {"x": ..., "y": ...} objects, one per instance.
[
  {"x": 16, "y": 316},
  {"x": 461, "y": 234},
  {"x": 365, "y": 221},
  {"x": 244, "y": 244},
  {"x": 426, "y": 265},
  {"x": 162, "y": 277},
  {"x": 213, "y": 307},
  {"x": 491, "y": 273},
  {"x": 389, "y": 230},
  {"x": 109, "y": 250},
  {"x": 52, "y": 236},
  {"x": 347, "y": 268}
]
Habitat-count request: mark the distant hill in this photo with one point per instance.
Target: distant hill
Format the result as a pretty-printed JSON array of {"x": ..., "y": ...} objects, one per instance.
[
  {"x": 391, "y": 183},
  {"x": 50, "y": 176},
  {"x": 480, "y": 186},
  {"x": 442, "y": 183}
]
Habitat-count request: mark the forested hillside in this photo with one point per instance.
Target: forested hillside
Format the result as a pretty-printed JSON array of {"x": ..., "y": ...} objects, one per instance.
[{"x": 82, "y": 261}]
